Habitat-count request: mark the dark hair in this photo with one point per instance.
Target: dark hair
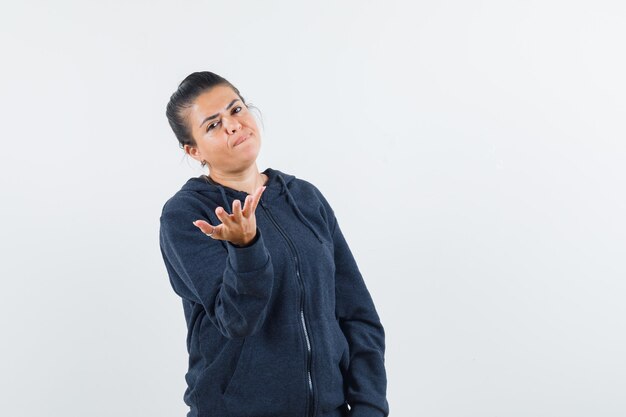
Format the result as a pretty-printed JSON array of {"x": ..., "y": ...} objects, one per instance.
[{"x": 188, "y": 90}]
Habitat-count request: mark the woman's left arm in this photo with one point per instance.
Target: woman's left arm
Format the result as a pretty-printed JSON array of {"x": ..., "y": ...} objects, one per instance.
[{"x": 360, "y": 323}]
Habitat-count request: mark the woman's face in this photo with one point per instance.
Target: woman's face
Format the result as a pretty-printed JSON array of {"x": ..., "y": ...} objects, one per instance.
[{"x": 218, "y": 121}]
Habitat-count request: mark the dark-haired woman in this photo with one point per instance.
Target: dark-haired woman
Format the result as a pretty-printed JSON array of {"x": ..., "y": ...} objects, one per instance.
[{"x": 280, "y": 321}]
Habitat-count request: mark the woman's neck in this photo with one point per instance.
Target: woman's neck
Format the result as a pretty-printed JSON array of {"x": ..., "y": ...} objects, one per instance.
[{"x": 248, "y": 181}]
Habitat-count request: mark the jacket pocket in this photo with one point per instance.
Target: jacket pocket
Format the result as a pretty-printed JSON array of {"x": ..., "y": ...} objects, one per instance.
[
  {"x": 238, "y": 367},
  {"x": 213, "y": 380},
  {"x": 333, "y": 359},
  {"x": 270, "y": 377}
]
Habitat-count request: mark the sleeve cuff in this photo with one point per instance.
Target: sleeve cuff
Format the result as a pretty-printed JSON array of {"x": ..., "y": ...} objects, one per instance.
[{"x": 248, "y": 258}]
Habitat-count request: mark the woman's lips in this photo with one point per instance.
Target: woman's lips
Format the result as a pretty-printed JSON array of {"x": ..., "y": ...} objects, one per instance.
[{"x": 240, "y": 141}]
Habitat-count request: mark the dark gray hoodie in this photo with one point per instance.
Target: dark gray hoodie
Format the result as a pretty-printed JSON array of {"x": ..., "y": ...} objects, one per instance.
[{"x": 283, "y": 327}]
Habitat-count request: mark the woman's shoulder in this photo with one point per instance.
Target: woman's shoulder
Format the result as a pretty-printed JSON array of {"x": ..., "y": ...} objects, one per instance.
[
  {"x": 191, "y": 197},
  {"x": 306, "y": 190}
]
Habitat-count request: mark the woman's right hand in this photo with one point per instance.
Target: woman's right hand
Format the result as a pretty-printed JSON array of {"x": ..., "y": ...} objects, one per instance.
[{"x": 240, "y": 227}]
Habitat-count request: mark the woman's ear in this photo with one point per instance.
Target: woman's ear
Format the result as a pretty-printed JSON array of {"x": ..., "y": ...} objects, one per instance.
[{"x": 193, "y": 152}]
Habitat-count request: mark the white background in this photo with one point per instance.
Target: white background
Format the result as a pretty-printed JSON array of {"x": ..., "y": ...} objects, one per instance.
[{"x": 473, "y": 152}]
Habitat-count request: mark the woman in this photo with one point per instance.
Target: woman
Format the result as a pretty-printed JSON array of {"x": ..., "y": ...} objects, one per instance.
[{"x": 280, "y": 322}]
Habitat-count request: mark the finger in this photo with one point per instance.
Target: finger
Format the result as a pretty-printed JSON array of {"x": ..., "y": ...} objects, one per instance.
[
  {"x": 257, "y": 197},
  {"x": 252, "y": 201},
  {"x": 246, "y": 206},
  {"x": 223, "y": 216},
  {"x": 237, "y": 214},
  {"x": 206, "y": 228}
]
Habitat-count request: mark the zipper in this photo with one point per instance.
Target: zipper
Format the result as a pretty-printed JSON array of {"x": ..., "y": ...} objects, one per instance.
[{"x": 309, "y": 410}]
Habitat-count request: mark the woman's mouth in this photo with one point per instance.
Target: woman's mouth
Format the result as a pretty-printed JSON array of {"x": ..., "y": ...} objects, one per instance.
[{"x": 240, "y": 140}]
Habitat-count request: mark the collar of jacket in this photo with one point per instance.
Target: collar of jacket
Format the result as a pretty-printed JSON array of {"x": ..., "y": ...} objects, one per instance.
[{"x": 278, "y": 183}]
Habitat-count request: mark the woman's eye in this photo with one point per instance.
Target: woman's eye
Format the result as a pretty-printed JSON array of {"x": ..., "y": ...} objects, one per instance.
[{"x": 212, "y": 125}]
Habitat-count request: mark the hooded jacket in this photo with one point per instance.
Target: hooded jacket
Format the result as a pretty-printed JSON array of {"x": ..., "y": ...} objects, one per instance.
[{"x": 282, "y": 327}]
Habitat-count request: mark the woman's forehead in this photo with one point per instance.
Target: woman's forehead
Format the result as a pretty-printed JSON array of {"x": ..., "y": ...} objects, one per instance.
[{"x": 209, "y": 104}]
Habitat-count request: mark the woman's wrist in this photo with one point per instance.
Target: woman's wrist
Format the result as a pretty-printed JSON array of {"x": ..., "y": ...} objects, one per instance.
[{"x": 249, "y": 243}]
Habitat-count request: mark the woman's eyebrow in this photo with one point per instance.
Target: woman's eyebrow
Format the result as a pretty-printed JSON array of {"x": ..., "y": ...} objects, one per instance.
[{"x": 217, "y": 114}]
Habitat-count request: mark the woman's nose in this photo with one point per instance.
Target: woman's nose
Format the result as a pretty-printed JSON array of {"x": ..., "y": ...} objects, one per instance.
[{"x": 231, "y": 125}]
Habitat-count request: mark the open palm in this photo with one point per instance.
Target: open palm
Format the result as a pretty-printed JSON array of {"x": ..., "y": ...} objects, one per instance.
[{"x": 239, "y": 227}]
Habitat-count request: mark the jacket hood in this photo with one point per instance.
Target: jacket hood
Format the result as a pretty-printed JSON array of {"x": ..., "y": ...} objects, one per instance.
[{"x": 278, "y": 183}]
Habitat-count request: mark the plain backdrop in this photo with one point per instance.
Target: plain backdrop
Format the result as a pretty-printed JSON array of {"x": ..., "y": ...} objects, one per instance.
[{"x": 474, "y": 153}]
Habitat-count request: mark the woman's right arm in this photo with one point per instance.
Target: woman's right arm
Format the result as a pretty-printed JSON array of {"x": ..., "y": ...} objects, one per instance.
[{"x": 233, "y": 284}]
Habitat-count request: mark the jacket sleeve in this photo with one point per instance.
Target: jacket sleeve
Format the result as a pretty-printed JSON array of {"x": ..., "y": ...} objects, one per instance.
[
  {"x": 233, "y": 284},
  {"x": 360, "y": 323}
]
